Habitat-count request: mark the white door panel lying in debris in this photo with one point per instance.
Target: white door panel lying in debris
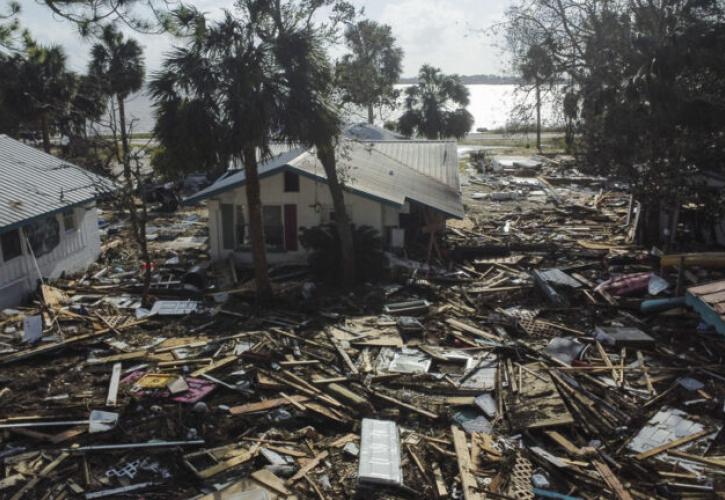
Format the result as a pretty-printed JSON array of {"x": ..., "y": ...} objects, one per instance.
[{"x": 380, "y": 453}]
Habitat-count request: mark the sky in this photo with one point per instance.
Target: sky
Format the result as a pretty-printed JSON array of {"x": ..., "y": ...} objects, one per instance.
[{"x": 449, "y": 34}]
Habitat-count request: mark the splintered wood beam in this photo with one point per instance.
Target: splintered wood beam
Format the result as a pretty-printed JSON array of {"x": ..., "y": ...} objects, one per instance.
[
  {"x": 214, "y": 366},
  {"x": 562, "y": 441},
  {"x": 672, "y": 444},
  {"x": 310, "y": 465},
  {"x": 607, "y": 361},
  {"x": 612, "y": 481},
  {"x": 408, "y": 406},
  {"x": 460, "y": 443},
  {"x": 265, "y": 405},
  {"x": 271, "y": 481},
  {"x": 460, "y": 325}
]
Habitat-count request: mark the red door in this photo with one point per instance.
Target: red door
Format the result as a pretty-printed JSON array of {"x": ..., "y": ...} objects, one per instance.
[{"x": 290, "y": 227}]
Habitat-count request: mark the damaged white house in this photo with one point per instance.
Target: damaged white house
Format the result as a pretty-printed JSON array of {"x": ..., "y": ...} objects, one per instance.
[
  {"x": 48, "y": 220},
  {"x": 399, "y": 187}
]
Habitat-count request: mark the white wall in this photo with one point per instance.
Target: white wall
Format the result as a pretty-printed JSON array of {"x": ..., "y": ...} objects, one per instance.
[
  {"x": 77, "y": 249},
  {"x": 363, "y": 211}
]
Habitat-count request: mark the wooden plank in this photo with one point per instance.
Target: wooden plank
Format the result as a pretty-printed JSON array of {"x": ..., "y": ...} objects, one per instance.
[
  {"x": 612, "y": 481},
  {"x": 113, "y": 385},
  {"x": 287, "y": 451},
  {"x": 720, "y": 464},
  {"x": 240, "y": 457},
  {"x": 347, "y": 438},
  {"x": 294, "y": 403},
  {"x": 42, "y": 474},
  {"x": 264, "y": 405},
  {"x": 316, "y": 488},
  {"x": 408, "y": 406},
  {"x": 707, "y": 288},
  {"x": 459, "y": 325},
  {"x": 347, "y": 395},
  {"x": 570, "y": 447},
  {"x": 271, "y": 481},
  {"x": 214, "y": 366},
  {"x": 341, "y": 352},
  {"x": 538, "y": 403},
  {"x": 441, "y": 490},
  {"x": 463, "y": 456},
  {"x": 607, "y": 361},
  {"x": 310, "y": 465},
  {"x": 672, "y": 444},
  {"x": 48, "y": 348}
]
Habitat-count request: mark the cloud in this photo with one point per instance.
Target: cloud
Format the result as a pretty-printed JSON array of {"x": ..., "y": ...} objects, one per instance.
[{"x": 447, "y": 34}]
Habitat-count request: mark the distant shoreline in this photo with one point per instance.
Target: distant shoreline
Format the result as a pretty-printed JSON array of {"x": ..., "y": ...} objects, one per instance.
[{"x": 472, "y": 80}]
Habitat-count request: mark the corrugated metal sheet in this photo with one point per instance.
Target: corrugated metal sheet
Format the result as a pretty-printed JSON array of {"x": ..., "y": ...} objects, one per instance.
[
  {"x": 369, "y": 171},
  {"x": 34, "y": 183},
  {"x": 367, "y": 132},
  {"x": 436, "y": 159}
]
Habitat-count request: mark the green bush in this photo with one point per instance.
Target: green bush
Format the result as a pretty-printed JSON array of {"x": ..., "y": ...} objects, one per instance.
[{"x": 325, "y": 258}]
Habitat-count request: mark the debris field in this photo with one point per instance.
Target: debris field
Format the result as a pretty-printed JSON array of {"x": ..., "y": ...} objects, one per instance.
[{"x": 542, "y": 354}]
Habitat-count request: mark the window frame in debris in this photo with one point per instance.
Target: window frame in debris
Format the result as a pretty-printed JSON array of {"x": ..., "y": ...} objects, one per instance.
[
  {"x": 291, "y": 182},
  {"x": 69, "y": 216},
  {"x": 276, "y": 230},
  {"x": 17, "y": 248}
]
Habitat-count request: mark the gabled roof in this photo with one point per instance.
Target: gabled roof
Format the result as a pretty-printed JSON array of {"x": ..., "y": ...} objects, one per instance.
[
  {"x": 34, "y": 183},
  {"x": 377, "y": 170},
  {"x": 367, "y": 132}
]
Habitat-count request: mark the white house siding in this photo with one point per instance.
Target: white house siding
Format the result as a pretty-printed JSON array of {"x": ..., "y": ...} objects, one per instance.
[
  {"x": 77, "y": 249},
  {"x": 363, "y": 211}
]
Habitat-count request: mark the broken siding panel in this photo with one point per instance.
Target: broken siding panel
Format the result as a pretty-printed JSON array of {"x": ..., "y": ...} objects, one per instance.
[
  {"x": 76, "y": 250},
  {"x": 537, "y": 403}
]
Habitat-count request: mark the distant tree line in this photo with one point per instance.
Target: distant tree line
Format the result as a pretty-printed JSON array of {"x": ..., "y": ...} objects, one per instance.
[
  {"x": 643, "y": 94},
  {"x": 474, "y": 80}
]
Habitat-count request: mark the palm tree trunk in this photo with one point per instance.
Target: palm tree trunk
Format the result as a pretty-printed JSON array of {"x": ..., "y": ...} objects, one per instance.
[
  {"x": 326, "y": 155},
  {"x": 371, "y": 114},
  {"x": 45, "y": 129},
  {"x": 256, "y": 225},
  {"x": 538, "y": 115},
  {"x": 138, "y": 224}
]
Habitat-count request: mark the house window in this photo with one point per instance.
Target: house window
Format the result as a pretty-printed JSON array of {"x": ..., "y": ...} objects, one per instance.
[
  {"x": 227, "y": 213},
  {"x": 234, "y": 227},
  {"x": 11, "y": 245},
  {"x": 273, "y": 226},
  {"x": 291, "y": 182},
  {"x": 69, "y": 220},
  {"x": 44, "y": 235}
]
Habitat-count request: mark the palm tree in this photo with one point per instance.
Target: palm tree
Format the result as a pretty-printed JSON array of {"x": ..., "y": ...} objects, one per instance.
[
  {"x": 436, "y": 106},
  {"x": 368, "y": 74},
  {"x": 228, "y": 71},
  {"x": 45, "y": 86},
  {"x": 117, "y": 66},
  {"x": 311, "y": 116},
  {"x": 537, "y": 68}
]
